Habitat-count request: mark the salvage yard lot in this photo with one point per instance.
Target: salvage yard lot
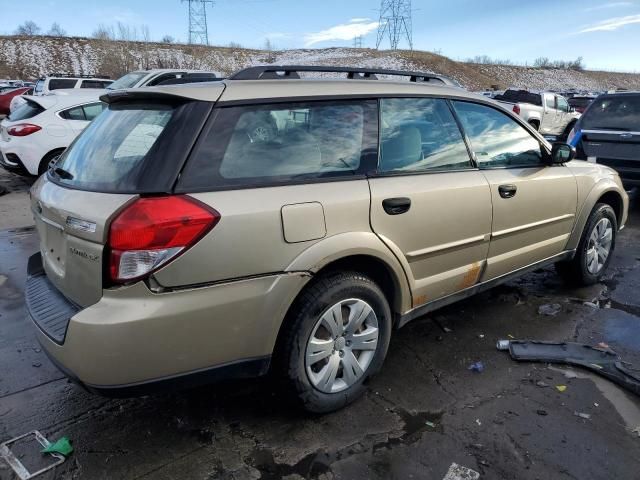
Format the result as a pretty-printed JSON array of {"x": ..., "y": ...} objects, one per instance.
[{"x": 425, "y": 410}]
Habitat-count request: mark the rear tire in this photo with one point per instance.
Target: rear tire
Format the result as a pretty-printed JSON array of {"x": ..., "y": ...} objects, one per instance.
[
  {"x": 325, "y": 364},
  {"x": 567, "y": 131},
  {"x": 47, "y": 159},
  {"x": 595, "y": 249}
]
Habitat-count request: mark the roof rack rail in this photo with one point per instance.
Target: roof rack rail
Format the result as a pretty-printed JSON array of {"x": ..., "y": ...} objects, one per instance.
[
  {"x": 71, "y": 75},
  {"x": 270, "y": 72}
]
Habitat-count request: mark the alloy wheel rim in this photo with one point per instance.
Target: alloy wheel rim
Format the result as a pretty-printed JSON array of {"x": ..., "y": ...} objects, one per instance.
[
  {"x": 342, "y": 345},
  {"x": 599, "y": 246}
]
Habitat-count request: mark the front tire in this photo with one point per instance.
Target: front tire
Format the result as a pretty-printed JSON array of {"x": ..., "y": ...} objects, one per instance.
[
  {"x": 595, "y": 249},
  {"x": 335, "y": 339}
]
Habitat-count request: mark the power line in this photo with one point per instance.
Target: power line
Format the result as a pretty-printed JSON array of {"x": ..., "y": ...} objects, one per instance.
[
  {"x": 395, "y": 23},
  {"x": 198, "y": 31}
]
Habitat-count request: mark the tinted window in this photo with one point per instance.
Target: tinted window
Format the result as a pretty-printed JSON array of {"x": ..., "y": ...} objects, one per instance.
[
  {"x": 57, "y": 83},
  {"x": 76, "y": 113},
  {"x": 497, "y": 139},
  {"x": 92, "y": 110},
  {"x": 110, "y": 151},
  {"x": 621, "y": 112},
  {"x": 94, "y": 84},
  {"x": 420, "y": 134},
  {"x": 275, "y": 143},
  {"x": 29, "y": 109},
  {"x": 580, "y": 102},
  {"x": 520, "y": 96}
]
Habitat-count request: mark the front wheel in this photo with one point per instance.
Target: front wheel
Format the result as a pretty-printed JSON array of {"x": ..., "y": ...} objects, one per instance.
[
  {"x": 336, "y": 338},
  {"x": 595, "y": 249}
]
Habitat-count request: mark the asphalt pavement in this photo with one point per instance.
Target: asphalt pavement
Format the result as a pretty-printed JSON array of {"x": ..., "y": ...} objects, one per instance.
[{"x": 423, "y": 412}]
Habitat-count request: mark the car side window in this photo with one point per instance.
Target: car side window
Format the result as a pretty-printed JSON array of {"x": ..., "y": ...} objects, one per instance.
[
  {"x": 550, "y": 101},
  {"x": 75, "y": 113},
  {"x": 93, "y": 84},
  {"x": 563, "y": 106},
  {"x": 420, "y": 134},
  {"x": 498, "y": 140},
  {"x": 57, "y": 83},
  {"x": 262, "y": 144},
  {"x": 92, "y": 110}
]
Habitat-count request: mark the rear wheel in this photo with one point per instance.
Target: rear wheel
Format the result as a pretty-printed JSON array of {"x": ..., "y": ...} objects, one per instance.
[
  {"x": 595, "y": 249},
  {"x": 336, "y": 338},
  {"x": 47, "y": 159},
  {"x": 567, "y": 130}
]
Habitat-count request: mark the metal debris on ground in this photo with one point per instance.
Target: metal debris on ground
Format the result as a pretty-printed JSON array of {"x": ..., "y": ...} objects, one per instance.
[
  {"x": 600, "y": 359},
  {"x": 550, "y": 309},
  {"x": 20, "y": 470},
  {"x": 476, "y": 367},
  {"x": 586, "y": 416},
  {"x": 458, "y": 472}
]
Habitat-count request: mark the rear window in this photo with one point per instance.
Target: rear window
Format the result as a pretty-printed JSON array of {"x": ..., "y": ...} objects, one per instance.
[
  {"x": 95, "y": 84},
  {"x": 580, "y": 101},
  {"x": 520, "y": 96},
  {"x": 58, "y": 83},
  {"x": 109, "y": 154},
  {"x": 127, "y": 81},
  {"x": 267, "y": 144},
  {"x": 29, "y": 109},
  {"x": 620, "y": 112}
]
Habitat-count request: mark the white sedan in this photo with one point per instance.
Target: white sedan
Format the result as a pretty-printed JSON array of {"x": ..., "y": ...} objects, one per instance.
[{"x": 41, "y": 129}]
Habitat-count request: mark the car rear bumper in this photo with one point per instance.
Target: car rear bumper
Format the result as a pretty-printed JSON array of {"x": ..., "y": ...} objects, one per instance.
[
  {"x": 134, "y": 341},
  {"x": 25, "y": 156}
]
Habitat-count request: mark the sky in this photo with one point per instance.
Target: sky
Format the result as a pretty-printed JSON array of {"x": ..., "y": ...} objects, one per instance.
[{"x": 605, "y": 33}]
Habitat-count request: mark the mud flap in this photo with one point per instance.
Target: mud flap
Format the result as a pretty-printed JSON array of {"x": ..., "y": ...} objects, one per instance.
[{"x": 603, "y": 361}]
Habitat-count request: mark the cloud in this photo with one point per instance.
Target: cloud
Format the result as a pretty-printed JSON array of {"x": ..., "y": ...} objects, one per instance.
[
  {"x": 611, "y": 24},
  {"x": 344, "y": 31},
  {"x": 608, "y": 5}
]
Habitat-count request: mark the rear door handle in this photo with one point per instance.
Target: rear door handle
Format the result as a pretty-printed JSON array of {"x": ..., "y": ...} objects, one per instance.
[
  {"x": 396, "y": 206},
  {"x": 507, "y": 191}
]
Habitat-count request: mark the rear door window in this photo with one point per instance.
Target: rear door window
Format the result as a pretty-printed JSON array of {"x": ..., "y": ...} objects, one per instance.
[
  {"x": 498, "y": 140},
  {"x": 620, "y": 112},
  {"x": 420, "y": 134},
  {"x": 94, "y": 84},
  {"x": 267, "y": 144},
  {"x": 58, "y": 83},
  {"x": 76, "y": 113}
]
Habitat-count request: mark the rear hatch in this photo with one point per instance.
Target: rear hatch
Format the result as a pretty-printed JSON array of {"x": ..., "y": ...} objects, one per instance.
[
  {"x": 610, "y": 131},
  {"x": 135, "y": 148}
]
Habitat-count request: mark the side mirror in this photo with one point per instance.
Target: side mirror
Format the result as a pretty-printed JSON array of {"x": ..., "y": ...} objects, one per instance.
[{"x": 562, "y": 153}]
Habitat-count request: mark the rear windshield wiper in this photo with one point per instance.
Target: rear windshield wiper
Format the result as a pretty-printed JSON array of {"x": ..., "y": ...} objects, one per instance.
[{"x": 62, "y": 173}]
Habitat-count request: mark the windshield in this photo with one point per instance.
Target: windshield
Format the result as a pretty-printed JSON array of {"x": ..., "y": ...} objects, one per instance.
[
  {"x": 109, "y": 154},
  {"x": 621, "y": 112},
  {"x": 29, "y": 109},
  {"x": 127, "y": 81}
]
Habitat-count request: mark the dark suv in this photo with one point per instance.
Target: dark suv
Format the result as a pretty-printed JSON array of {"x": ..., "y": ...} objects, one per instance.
[{"x": 609, "y": 133}]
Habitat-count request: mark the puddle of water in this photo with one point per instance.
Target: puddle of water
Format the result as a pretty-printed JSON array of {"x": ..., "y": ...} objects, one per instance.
[{"x": 626, "y": 408}]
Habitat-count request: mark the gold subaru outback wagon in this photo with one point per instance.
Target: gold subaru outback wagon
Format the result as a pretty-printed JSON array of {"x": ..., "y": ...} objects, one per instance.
[{"x": 280, "y": 221}]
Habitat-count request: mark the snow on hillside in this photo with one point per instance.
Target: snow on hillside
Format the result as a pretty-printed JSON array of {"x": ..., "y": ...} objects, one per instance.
[{"x": 30, "y": 57}]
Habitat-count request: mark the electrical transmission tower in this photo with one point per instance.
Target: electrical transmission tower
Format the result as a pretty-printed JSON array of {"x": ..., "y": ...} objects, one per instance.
[
  {"x": 357, "y": 41},
  {"x": 198, "y": 32},
  {"x": 395, "y": 23}
]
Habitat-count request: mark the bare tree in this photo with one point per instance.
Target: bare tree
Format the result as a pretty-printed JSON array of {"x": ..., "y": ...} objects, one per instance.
[
  {"x": 126, "y": 32},
  {"x": 56, "y": 30},
  {"x": 103, "y": 33},
  {"x": 168, "y": 39},
  {"x": 28, "y": 28}
]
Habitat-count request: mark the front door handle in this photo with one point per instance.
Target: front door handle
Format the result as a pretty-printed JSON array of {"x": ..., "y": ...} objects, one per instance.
[
  {"x": 396, "y": 206},
  {"x": 507, "y": 191}
]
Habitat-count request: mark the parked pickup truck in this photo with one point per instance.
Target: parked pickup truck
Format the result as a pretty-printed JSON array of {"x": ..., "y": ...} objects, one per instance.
[{"x": 547, "y": 112}]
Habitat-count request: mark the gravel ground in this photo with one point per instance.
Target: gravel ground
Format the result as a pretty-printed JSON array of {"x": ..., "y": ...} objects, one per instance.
[{"x": 425, "y": 410}]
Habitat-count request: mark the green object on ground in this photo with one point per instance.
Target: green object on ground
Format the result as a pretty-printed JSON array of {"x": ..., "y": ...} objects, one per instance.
[{"x": 62, "y": 446}]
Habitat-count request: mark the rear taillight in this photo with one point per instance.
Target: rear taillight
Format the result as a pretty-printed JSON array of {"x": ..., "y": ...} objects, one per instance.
[
  {"x": 152, "y": 231},
  {"x": 516, "y": 109},
  {"x": 23, "y": 129}
]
